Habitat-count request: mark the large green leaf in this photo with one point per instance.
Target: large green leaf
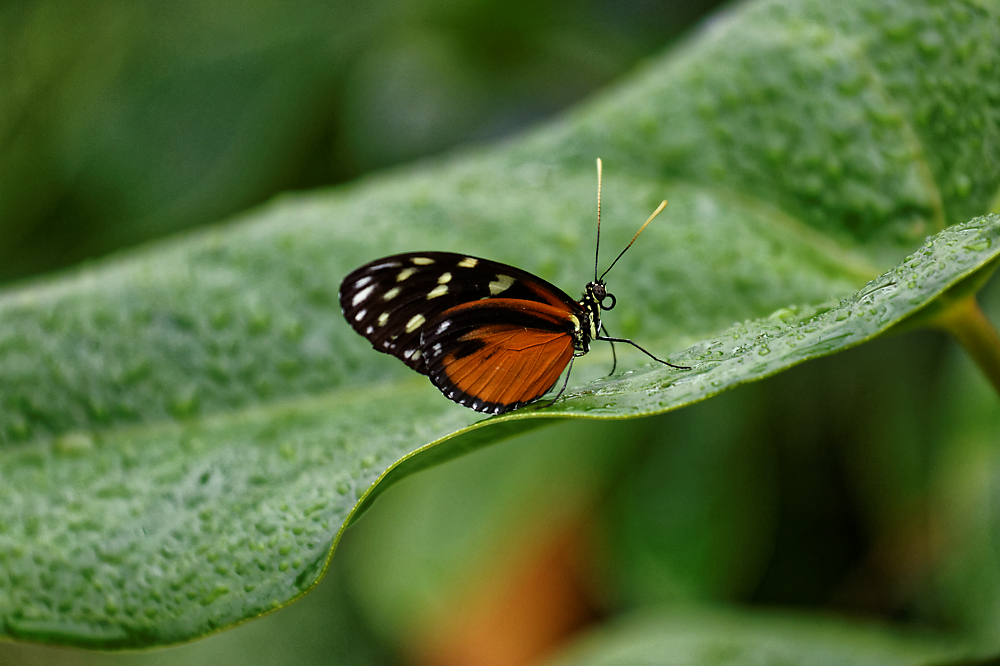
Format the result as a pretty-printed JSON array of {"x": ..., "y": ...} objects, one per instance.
[
  {"x": 321, "y": 629},
  {"x": 186, "y": 430}
]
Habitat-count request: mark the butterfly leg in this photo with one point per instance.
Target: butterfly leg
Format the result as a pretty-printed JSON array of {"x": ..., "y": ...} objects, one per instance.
[
  {"x": 565, "y": 383},
  {"x": 614, "y": 356},
  {"x": 629, "y": 342}
]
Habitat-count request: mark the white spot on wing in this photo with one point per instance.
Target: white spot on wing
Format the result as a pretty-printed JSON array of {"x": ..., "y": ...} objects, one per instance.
[
  {"x": 439, "y": 290},
  {"x": 414, "y": 323},
  {"x": 391, "y": 294},
  {"x": 361, "y": 315},
  {"x": 416, "y": 355},
  {"x": 501, "y": 284},
  {"x": 369, "y": 330},
  {"x": 387, "y": 264},
  {"x": 362, "y": 295},
  {"x": 408, "y": 353},
  {"x": 445, "y": 278},
  {"x": 362, "y": 281},
  {"x": 422, "y": 261},
  {"x": 405, "y": 273},
  {"x": 444, "y": 326},
  {"x": 468, "y": 262}
]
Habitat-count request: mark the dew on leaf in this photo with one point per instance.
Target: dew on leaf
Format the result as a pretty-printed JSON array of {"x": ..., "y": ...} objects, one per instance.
[
  {"x": 220, "y": 318},
  {"x": 258, "y": 322},
  {"x": 185, "y": 403},
  {"x": 216, "y": 592},
  {"x": 73, "y": 444},
  {"x": 979, "y": 245}
]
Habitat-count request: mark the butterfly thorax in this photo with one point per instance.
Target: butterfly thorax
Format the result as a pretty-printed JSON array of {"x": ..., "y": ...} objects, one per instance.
[{"x": 592, "y": 303}]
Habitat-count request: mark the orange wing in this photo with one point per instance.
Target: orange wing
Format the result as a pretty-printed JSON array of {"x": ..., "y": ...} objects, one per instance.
[{"x": 496, "y": 355}]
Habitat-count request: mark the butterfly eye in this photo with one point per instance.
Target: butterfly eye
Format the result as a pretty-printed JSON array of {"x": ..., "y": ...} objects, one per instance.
[{"x": 606, "y": 296}]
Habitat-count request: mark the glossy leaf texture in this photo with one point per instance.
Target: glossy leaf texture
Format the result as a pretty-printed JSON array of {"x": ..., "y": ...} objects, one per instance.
[{"x": 188, "y": 428}]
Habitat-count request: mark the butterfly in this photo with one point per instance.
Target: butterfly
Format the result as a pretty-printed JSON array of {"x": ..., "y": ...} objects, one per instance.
[{"x": 490, "y": 336}]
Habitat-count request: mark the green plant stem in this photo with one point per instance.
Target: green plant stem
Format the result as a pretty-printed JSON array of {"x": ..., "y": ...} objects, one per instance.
[{"x": 965, "y": 320}]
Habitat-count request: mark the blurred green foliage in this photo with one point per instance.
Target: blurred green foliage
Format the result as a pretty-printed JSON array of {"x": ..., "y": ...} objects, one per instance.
[
  {"x": 124, "y": 121},
  {"x": 863, "y": 483}
]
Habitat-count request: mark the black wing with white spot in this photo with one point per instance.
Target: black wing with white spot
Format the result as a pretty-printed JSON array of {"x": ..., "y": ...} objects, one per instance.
[{"x": 391, "y": 301}]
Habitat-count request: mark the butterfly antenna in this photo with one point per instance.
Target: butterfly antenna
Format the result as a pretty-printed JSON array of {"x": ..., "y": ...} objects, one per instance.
[
  {"x": 663, "y": 204},
  {"x": 597, "y": 252}
]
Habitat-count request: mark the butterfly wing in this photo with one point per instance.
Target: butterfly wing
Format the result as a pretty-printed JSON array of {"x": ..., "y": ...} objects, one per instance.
[
  {"x": 390, "y": 301},
  {"x": 497, "y": 354}
]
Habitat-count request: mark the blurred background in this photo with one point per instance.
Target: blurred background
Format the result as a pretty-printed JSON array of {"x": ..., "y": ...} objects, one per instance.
[
  {"x": 860, "y": 484},
  {"x": 122, "y": 121}
]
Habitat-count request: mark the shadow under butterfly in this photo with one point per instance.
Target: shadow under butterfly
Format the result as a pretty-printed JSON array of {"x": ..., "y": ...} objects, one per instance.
[{"x": 490, "y": 336}]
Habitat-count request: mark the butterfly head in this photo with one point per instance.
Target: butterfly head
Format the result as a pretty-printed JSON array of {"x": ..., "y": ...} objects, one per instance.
[{"x": 597, "y": 292}]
